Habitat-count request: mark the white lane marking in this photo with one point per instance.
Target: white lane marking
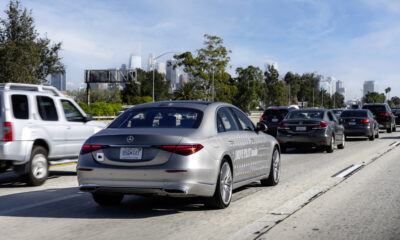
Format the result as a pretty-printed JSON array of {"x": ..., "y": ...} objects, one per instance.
[
  {"x": 348, "y": 171},
  {"x": 16, "y": 209}
]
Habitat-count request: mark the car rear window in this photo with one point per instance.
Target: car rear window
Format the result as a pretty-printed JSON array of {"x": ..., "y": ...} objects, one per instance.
[
  {"x": 354, "y": 114},
  {"x": 275, "y": 112},
  {"x": 304, "y": 114},
  {"x": 375, "y": 108},
  {"x": 165, "y": 117},
  {"x": 20, "y": 106}
]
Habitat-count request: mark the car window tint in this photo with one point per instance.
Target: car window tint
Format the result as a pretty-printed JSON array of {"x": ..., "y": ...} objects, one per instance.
[
  {"x": 227, "y": 119},
  {"x": 72, "y": 114},
  {"x": 47, "y": 109},
  {"x": 159, "y": 117},
  {"x": 305, "y": 114},
  {"x": 20, "y": 106},
  {"x": 350, "y": 113},
  {"x": 220, "y": 126},
  {"x": 375, "y": 108},
  {"x": 330, "y": 117},
  {"x": 244, "y": 122},
  {"x": 279, "y": 113}
]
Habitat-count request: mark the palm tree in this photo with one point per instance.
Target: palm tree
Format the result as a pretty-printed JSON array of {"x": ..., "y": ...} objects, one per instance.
[
  {"x": 187, "y": 92},
  {"x": 387, "y": 90}
]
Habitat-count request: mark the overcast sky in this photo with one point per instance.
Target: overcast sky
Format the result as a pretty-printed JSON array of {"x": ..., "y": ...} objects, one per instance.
[{"x": 351, "y": 40}]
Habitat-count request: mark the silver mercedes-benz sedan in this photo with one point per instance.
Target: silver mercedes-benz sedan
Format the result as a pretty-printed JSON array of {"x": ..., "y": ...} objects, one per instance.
[{"x": 178, "y": 149}]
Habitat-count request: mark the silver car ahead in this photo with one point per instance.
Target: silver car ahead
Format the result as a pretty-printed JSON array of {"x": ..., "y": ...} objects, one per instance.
[{"x": 178, "y": 149}]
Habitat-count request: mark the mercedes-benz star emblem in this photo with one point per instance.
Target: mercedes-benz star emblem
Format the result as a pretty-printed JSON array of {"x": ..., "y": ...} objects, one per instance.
[{"x": 130, "y": 139}]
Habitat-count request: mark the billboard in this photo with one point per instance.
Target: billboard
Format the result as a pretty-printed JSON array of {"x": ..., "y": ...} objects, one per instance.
[{"x": 110, "y": 76}]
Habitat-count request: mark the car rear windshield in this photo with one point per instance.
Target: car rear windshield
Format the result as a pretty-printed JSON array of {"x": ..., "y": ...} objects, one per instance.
[
  {"x": 166, "y": 117},
  {"x": 275, "y": 112},
  {"x": 354, "y": 114},
  {"x": 304, "y": 114},
  {"x": 375, "y": 108}
]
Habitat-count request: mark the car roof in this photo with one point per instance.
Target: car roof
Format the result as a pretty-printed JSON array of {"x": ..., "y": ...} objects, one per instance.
[{"x": 200, "y": 105}]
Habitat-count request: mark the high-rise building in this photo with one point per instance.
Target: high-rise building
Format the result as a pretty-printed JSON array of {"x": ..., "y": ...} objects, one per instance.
[
  {"x": 135, "y": 61},
  {"x": 369, "y": 86},
  {"x": 161, "y": 67},
  {"x": 58, "y": 80},
  {"x": 328, "y": 84},
  {"x": 183, "y": 78},
  {"x": 172, "y": 75},
  {"x": 340, "y": 88}
]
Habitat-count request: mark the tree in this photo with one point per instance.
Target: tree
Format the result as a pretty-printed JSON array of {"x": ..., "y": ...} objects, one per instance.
[
  {"x": 338, "y": 100},
  {"x": 293, "y": 83},
  {"x": 374, "y": 97},
  {"x": 395, "y": 101},
  {"x": 250, "y": 87},
  {"x": 387, "y": 90},
  {"x": 272, "y": 85},
  {"x": 189, "y": 91},
  {"x": 209, "y": 64},
  {"x": 24, "y": 56}
]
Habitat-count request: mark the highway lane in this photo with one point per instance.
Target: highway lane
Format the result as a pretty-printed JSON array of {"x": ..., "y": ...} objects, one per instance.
[
  {"x": 58, "y": 210},
  {"x": 365, "y": 206}
]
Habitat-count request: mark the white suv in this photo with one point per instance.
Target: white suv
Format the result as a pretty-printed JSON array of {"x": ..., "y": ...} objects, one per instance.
[{"x": 39, "y": 124}]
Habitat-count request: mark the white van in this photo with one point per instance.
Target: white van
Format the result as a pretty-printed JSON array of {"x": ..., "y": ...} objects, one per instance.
[{"x": 38, "y": 124}]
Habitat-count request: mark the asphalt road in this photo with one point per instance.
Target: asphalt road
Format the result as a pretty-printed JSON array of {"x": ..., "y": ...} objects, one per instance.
[{"x": 57, "y": 210}]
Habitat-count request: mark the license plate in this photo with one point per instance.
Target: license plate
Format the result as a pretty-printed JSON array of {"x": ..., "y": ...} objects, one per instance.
[
  {"x": 352, "y": 123},
  {"x": 301, "y": 128},
  {"x": 274, "y": 120},
  {"x": 131, "y": 153}
]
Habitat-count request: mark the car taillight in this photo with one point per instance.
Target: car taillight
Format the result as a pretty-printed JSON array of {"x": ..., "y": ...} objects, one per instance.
[
  {"x": 365, "y": 121},
  {"x": 384, "y": 114},
  {"x": 263, "y": 117},
  {"x": 8, "y": 132},
  {"x": 182, "y": 149},
  {"x": 283, "y": 126},
  {"x": 321, "y": 125},
  {"x": 86, "y": 148}
]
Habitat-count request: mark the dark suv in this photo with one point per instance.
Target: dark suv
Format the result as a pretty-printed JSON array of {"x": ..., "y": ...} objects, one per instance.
[
  {"x": 273, "y": 116},
  {"x": 383, "y": 115}
]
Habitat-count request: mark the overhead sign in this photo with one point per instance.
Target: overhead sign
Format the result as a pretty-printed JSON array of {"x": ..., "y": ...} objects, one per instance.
[{"x": 110, "y": 76}]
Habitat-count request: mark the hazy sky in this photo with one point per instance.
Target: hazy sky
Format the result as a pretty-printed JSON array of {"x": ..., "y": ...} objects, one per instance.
[{"x": 351, "y": 40}]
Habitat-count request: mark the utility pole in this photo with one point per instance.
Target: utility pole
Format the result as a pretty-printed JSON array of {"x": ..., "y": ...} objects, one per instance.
[
  {"x": 313, "y": 97},
  {"x": 289, "y": 95}
]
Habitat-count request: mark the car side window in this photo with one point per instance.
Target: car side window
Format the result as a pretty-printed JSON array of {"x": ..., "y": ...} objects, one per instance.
[
  {"x": 20, "y": 106},
  {"x": 72, "y": 114},
  {"x": 227, "y": 120},
  {"x": 47, "y": 109},
  {"x": 244, "y": 122},
  {"x": 220, "y": 126},
  {"x": 330, "y": 117}
]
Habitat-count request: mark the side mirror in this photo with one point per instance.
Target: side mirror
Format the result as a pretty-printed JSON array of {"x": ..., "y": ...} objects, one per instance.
[
  {"x": 88, "y": 117},
  {"x": 261, "y": 127}
]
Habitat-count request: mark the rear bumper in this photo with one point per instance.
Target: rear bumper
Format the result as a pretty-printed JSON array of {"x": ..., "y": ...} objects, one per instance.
[
  {"x": 153, "y": 180},
  {"x": 384, "y": 125},
  {"x": 16, "y": 151},
  {"x": 358, "y": 132},
  {"x": 303, "y": 140}
]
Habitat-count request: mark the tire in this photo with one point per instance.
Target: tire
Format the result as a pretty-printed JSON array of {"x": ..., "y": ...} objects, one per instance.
[
  {"x": 223, "y": 192},
  {"x": 273, "y": 178},
  {"x": 389, "y": 130},
  {"x": 283, "y": 149},
  {"x": 341, "y": 146},
  {"x": 38, "y": 167},
  {"x": 372, "y": 137},
  {"x": 394, "y": 128},
  {"x": 377, "y": 134},
  {"x": 107, "y": 199},
  {"x": 331, "y": 147}
]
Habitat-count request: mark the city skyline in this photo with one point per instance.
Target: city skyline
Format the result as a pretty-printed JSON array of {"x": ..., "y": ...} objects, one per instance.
[{"x": 352, "y": 41}]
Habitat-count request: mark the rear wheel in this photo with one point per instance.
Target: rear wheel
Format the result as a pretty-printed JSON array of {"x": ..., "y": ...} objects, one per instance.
[
  {"x": 394, "y": 127},
  {"x": 107, "y": 199},
  {"x": 372, "y": 137},
  {"x": 389, "y": 130},
  {"x": 377, "y": 133},
  {"x": 223, "y": 191},
  {"x": 283, "y": 148},
  {"x": 38, "y": 167},
  {"x": 273, "y": 178},
  {"x": 341, "y": 146},
  {"x": 331, "y": 146}
]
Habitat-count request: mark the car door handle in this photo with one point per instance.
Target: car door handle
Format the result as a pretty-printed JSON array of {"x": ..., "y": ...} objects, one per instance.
[
  {"x": 68, "y": 127},
  {"x": 231, "y": 142}
]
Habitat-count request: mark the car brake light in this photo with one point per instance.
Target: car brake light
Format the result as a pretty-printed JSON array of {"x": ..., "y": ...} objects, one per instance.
[
  {"x": 182, "y": 149},
  {"x": 86, "y": 148},
  {"x": 384, "y": 114},
  {"x": 282, "y": 126},
  {"x": 8, "y": 132},
  {"x": 321, "y": 125},
  {"x": 263, "y": 117},
  {"x": 365, "y": 121}
]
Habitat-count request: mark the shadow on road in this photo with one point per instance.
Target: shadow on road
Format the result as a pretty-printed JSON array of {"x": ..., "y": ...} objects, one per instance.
[{"x": 10, "y": 179}]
